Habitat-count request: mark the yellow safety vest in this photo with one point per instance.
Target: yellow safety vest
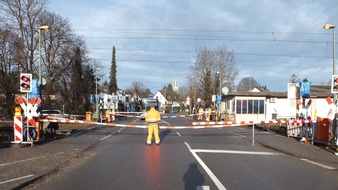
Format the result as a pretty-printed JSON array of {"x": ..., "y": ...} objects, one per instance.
[{"x": 153, "y": 116}]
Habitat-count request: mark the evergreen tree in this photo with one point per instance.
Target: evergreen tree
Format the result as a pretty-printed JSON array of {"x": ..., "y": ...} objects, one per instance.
[
  {"x": 89, "y": 86},
  {"x": 76, "y": 88},
  {"x": 113, "y": 82}
]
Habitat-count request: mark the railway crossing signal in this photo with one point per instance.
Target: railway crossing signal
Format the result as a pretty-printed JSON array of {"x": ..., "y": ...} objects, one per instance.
[
  {"x": 25, "y": 82},
  {"x": 334, "y": 84}
]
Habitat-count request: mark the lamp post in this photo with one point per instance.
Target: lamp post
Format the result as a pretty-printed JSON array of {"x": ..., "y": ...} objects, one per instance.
[
  {"x": 40, "y": 75},
  {"x": 333, "y": 27},
  {"x": 96, "y": 98}
]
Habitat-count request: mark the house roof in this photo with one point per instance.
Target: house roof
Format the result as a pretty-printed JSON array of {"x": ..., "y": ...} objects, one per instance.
[{"x": 316, "y": 91}]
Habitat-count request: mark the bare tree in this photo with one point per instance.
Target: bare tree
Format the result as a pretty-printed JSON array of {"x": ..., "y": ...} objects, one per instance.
[
  {"x": 58, "y": 46},
  {"x": 247, "y": 83},
  {"x": 9, "y": 70},
  {"x": 213, "y": 69},
  {"x": 61, "y": 49},
  {"x": 22, "y": 17},
  {"x": 294, "y": 79},
  {"x": 138, "y": 90}
]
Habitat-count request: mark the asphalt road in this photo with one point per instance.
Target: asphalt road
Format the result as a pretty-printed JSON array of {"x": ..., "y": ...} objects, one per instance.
[{"x": 118, "y": 158}]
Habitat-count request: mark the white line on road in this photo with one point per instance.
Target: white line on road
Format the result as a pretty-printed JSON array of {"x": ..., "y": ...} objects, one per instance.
[
  {"x": 15, "y": 179},
  {"x": 178, "y": 134},
  {"x": 9, "y": 163},
  {"x": 106, "y": 137},
  {"x": 202, "y": 188},
  {"x": 165, "y": 122},
  {"x": 318, "y": 164},
  {"x": 235, "y": 152},
  {"x": 30, "y": 159},
  {"x": 218, "y": 184}
]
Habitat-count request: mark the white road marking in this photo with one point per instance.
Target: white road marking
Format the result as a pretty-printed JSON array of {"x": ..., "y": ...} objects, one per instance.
[
  {"x": 318, "y": 164},
  {"x": 103, "y": 138},
  {"x": 209, "y": 172},
  {"x": 30, "y": 159},
  {"x": 178, "y": 134},
  {"x": 218, "y": 184},
  {"x": 202, "y": 188},
  {"x": 15, "y": 179},
  {"x": 235, "y": 152},
  {"x": 165, "y": 122},
  {"x": 9, "y": 163}
]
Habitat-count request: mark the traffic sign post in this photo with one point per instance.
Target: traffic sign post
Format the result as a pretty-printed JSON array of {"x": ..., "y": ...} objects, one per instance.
[{"x": 30, "y": 110}]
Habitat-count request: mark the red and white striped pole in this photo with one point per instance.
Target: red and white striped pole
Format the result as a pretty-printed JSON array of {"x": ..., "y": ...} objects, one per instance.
[{"x": 18, "y": 130}]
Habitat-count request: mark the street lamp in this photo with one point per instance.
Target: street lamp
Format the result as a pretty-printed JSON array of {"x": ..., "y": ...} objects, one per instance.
[
  {"x": 40, "y": 77},
  {"x": 96, "y": 98},
  {"x": 333, "y": 27}
]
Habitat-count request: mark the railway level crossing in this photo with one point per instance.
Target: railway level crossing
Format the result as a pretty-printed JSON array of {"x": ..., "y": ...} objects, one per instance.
[{"x": 29, "y": 129}]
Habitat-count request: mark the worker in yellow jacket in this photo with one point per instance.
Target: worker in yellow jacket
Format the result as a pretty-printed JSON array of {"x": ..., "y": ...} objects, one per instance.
[{"x": 152, "y": 117}]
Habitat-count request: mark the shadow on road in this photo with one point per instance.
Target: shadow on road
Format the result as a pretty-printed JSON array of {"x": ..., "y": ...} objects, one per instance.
[
  {"x": 193, "y": 177},
  {"x": 164, "y": 133}
]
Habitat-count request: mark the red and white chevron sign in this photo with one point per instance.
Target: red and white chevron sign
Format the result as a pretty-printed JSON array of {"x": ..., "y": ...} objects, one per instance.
[
  {"x": 30, "y": 109},
  {"x": 18, "y": 131}
]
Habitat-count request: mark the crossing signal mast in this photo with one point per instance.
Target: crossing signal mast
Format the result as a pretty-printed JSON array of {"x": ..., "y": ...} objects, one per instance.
[{"x": 25, "y": 82}]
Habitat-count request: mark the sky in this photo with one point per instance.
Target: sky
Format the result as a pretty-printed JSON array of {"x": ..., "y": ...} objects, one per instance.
[{"x": 156, "y": 40}]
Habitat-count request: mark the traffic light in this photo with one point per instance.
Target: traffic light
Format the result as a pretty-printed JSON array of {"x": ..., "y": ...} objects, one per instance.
[
  {"x": 26, "y": 82},
  {"x": 334, "y": 84}
]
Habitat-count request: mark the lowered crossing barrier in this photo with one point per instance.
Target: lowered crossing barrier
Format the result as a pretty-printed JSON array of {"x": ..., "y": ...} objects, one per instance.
[{"x": 140, "y": 126}]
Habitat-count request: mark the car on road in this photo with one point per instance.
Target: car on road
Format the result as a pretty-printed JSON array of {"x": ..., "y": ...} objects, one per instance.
[
  {"x": 143, "y": 116},
  {"x": 55, "y": 114},
  {"x": 174, "y": 111}
]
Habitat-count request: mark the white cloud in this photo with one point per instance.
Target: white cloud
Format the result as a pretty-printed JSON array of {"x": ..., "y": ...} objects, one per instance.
[{"x": 155, "y": 40}]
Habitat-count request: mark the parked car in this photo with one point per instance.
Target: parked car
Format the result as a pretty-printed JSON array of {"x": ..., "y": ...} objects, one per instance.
[
  {"x": 143, "y": 116},
  {"x": 173, "y": 111},
  {"x": 56, "y": 114}
]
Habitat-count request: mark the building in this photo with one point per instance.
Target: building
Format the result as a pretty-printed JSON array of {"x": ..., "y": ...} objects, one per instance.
[
  {"x": 260, "y": 104},
  {"x": 162, "y": 101}
]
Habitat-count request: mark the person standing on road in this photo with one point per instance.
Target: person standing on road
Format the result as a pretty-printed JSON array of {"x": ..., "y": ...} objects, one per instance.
[
  {"x": 152, "y": 117},
  {"x": 333, "y": 126}
]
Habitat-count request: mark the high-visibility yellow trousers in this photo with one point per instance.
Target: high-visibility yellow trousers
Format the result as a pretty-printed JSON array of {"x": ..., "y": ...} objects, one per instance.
[{"x": 153, "y": 129}]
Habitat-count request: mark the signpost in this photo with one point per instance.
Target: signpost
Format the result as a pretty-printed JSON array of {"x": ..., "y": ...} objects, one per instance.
[{"x": 29, "y": 107}]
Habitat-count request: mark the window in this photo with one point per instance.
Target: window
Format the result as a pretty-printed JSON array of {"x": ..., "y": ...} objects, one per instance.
[
  {"x": 250, "y": 107},
  {"x": 246, "y": 106},
  {"x": 261, "y": 107},
  {"x": 239, "y": 106}
]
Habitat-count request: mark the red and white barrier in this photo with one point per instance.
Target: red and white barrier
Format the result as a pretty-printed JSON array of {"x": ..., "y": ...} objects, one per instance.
[
  {"x": 18, "y": 130},
  {"x": 300, "y": 129},
  {"x": 29, "y": 112},
  {"x": 141, "y": 126}
]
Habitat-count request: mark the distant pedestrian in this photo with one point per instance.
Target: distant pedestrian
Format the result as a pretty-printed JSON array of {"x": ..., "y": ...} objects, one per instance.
[
  {"x": 208, "y": 114},
  {"x": 152, "y": 117},
  {"x": 200, "y": 113},
  {"x": 194, "y": 112},
  {"x": 333, "y": 126}
]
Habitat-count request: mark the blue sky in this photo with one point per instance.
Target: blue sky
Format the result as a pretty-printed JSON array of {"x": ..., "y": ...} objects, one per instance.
[{"x": 156, "y": 41}]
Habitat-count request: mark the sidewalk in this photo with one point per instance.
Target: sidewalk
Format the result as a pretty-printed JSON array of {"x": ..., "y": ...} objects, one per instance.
[{"x": 293, "y": 146}]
